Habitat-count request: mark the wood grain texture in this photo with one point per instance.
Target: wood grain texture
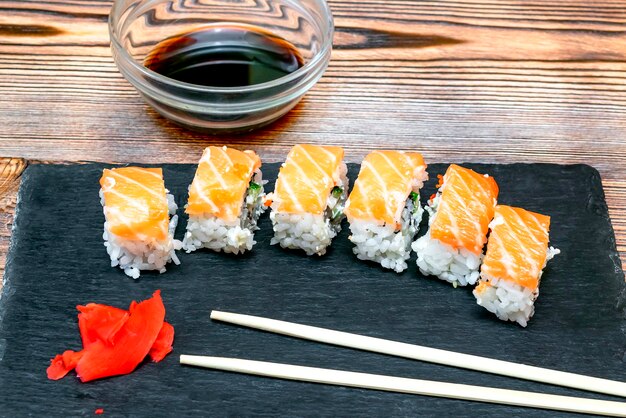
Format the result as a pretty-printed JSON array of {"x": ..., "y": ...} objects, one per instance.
[{"x": 459, "y": 80}]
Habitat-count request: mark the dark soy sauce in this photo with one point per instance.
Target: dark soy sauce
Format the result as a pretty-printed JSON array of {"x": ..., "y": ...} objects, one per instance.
[{"x": 224, "y": 56}]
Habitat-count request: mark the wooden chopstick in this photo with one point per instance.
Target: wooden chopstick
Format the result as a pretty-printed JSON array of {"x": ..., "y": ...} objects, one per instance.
[
  {"x": 412, "y": 386},
  {"x": 433, "y": 355}
]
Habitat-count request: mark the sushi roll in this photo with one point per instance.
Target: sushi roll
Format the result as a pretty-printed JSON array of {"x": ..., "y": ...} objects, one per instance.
[
  {"x": 460, "y": 213},
  {"x": 307, "y": 202},
  {"x": 384, "y": 208},
  {"x": 517, "y": 252},
  {"x": 225, "y": 201},
  {"x": 138, "y": 233}
]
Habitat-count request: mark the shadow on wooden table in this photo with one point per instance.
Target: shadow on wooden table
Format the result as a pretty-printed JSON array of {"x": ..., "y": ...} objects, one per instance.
[{"x": 265, "y": 133}]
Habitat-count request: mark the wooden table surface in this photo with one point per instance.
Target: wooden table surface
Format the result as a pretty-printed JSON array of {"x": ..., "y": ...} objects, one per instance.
[{"x": 458, "y": 80}]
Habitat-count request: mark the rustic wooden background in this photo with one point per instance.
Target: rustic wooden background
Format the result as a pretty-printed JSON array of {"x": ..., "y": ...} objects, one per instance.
[{"x": 467, "y": 80}]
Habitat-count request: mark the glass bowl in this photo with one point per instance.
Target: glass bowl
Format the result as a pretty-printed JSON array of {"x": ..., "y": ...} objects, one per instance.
[{"x": 136, "y": 27}]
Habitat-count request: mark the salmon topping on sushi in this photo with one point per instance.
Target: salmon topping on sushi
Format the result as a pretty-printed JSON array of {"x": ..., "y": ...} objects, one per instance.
[
  {"x": 384, "y": 208},
  {"x": 517, "y": 248},
  {"x": 225, "y": 201},
  {"x": 465, "y": 209},
  {"x": 221, "y": 181},
  {"x": 306, "y": 179},
  {"x": 517, "y": 252},
  {"x": 308, "y": 199},
  {"x": 136, "y": 206},
  {"x": 385, "y": 181}
]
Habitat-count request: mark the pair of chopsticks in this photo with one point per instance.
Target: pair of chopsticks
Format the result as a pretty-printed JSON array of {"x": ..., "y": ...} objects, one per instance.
[{"x": 417, "y": 386}]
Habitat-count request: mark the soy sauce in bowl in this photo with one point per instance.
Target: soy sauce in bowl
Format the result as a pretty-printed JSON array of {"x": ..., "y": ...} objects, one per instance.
[
  {"x": 221, "y": 66},
  {"x": 227, "y": 55}
]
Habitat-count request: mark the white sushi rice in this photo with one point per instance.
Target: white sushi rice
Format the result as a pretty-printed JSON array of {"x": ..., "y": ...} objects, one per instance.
[
  {"x": 234, "y": 237},
  {"x": 510, "y": 301},
  {"x": 457, "y": 266},
  {"x": 382, "y": 243},
  {"x": 132, "y": 256},
  {"x": 311, "y": 232}
]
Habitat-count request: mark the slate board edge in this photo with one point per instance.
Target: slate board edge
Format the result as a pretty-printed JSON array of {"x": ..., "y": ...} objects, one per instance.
[{"x": 7, "y": 289}]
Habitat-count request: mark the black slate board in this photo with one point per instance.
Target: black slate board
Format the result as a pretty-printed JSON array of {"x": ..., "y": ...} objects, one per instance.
[{"x": 57, "y": 261}]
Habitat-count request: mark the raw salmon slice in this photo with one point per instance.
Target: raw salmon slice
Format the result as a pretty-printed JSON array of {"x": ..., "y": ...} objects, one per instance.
[
  {"x": 385, "y": 181},
  {"x": 465, "y": 209},
  {"x": 135, "y": 205},
  {"x": 306, "y": 179},
  {"x": 221, "y": 181},
  {"x": 517, "y": 248}
]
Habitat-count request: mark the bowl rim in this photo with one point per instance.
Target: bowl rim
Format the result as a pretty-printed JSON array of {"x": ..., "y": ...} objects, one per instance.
[{"x": 320, "y": 56}]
